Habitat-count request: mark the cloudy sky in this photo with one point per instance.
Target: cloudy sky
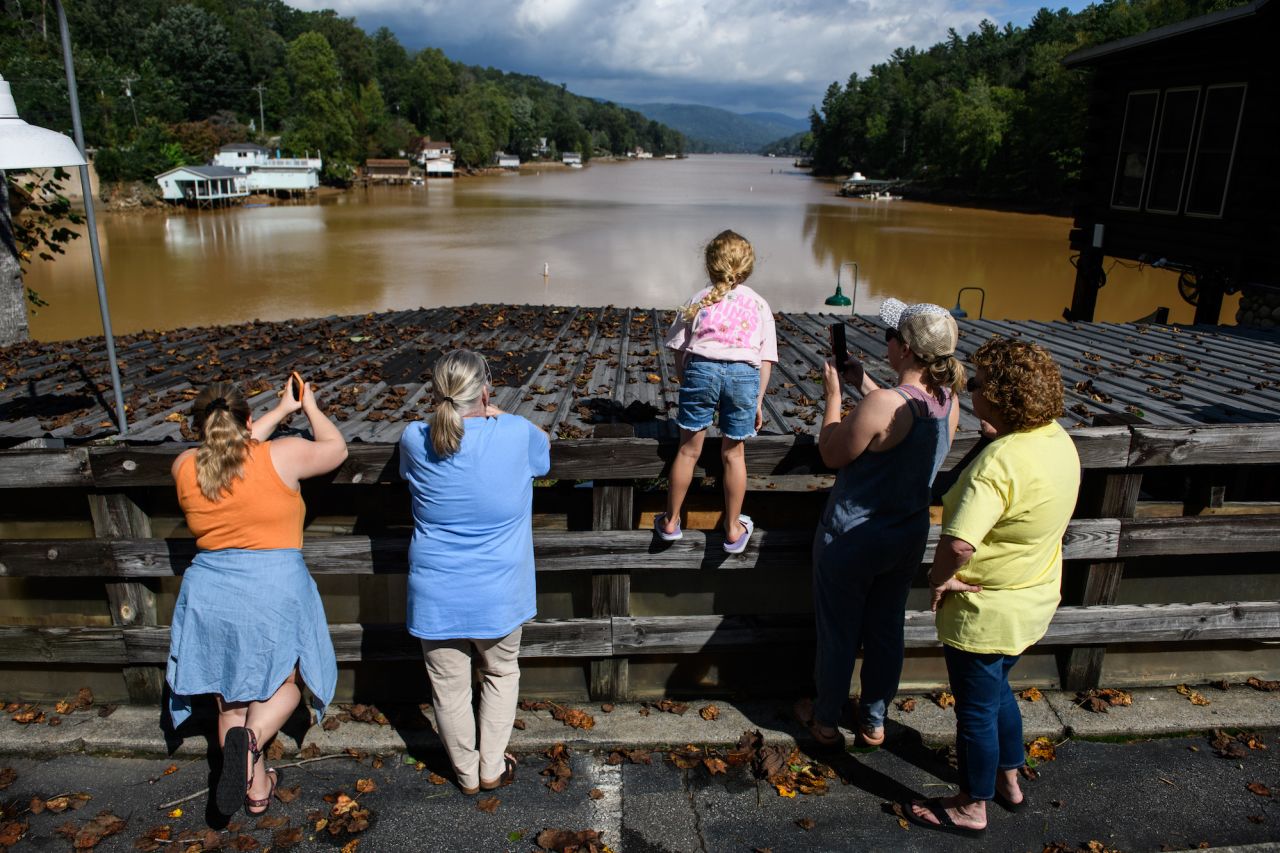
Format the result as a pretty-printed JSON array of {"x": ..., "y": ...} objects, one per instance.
[{"x": 742, "y": 55}]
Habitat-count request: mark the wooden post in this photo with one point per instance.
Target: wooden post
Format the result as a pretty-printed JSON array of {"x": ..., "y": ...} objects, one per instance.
[
  {"x": 1115, "y": 496},
  {"x": 117, "y": 516},
  {"x": 1084, "y": 299},
  {"x": 612, "y": 503}
]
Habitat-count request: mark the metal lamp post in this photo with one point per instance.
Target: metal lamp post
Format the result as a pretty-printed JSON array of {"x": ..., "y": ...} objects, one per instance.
[{"x": 23, "y": 146}]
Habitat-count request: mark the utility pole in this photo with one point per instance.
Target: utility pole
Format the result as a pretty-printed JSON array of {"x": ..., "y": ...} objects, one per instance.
[
  {"x": 128, "y": 93},
  {"x": 262, "y": 121}
]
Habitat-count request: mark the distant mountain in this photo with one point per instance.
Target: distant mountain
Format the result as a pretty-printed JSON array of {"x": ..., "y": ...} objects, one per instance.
[{"x": 712, "y": 129}]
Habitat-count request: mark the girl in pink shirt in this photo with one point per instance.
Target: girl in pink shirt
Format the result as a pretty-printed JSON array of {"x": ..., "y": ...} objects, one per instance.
[{"x": 727, "y": 345}]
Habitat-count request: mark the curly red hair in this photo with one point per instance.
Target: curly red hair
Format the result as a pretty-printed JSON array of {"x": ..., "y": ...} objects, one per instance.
[{"x": 1021, "y": 381}]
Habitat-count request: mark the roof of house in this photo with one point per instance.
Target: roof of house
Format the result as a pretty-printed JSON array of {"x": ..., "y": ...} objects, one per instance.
[
  {"x": 206, "y": 171},
  {"x": 385, "y": 162},
  {"x": 427, "y": 143},
  {"x": 243, "y": 146},
  {"x": 1090, "y": 55}
]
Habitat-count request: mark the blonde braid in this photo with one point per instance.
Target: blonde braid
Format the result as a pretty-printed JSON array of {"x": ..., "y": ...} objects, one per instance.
[{"x": 730, "y": 261}]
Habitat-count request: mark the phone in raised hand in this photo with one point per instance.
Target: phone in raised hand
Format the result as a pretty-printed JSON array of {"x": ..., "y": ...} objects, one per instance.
[
  {"x": 849, "y": 369},
  {"x": 296, "y": 385}
]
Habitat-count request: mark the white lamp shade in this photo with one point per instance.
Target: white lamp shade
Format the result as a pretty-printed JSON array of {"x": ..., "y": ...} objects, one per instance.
[{"x": 24, "y": 146}]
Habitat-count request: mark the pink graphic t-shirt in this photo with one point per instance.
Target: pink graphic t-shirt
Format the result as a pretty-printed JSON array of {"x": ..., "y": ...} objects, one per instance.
[{"x": 737, "y": 328}]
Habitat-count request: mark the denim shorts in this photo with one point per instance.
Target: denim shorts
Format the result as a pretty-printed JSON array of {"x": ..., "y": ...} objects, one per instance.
[{"x": 731, "y": 386}]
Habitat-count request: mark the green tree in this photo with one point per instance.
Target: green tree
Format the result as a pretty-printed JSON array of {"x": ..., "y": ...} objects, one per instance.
[
  {"x": 322, "y": 113},
  {"x": 193, "y": 48},
  {"x": 479, "y": 124}
]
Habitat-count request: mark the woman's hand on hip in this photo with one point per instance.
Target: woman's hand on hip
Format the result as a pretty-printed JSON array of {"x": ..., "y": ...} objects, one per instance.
[{"x": 951, "y": 584}]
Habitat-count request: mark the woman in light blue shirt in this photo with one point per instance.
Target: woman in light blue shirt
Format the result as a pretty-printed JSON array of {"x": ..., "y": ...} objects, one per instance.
[{"x": 471, "y": 575}]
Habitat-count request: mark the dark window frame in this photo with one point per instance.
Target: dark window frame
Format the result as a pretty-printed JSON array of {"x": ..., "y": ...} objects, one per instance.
[
  {"x": 1231, "y": 160},
  {"x": 1120, "y": 152},
  {"x": 1193, "y": 144}
]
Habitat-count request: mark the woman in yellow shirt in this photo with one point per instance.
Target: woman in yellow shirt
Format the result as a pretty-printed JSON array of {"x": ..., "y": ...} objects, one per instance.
[{"x": 997, "y": 572}]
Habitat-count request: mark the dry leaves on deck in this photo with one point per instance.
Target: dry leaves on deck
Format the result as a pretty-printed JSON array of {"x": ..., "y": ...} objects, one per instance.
[
  {"x": 1193, "y": 697},
  {"x": 1031, "y": 694},
  {"x": 1258, "y": 788},
  {"x": 1235, "y": 746},
  {"x": 1259, "y": 684},
  {"x": 669, "y": 706},
  {"x": 788, "y": 770},
  {"x": 11, "y": 832},
  {"x": 1099, "y": 700},
  {"x": 943, "y": 699},
  {"x": 346, "y": 815},
  {"x": 568, "y": 841},
  {"x": 59, "y": 804},
  {"x": 710, "y": 713},
  {"x": 558, "y": 771},
  {"x": 631, "y": 756},
  {"x": 82, "y": 702},
  {"x": 907, "y": 705}
]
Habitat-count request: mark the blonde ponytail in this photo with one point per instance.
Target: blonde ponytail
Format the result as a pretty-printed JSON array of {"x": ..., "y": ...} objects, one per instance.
[
  {"x": 458, "y": 378},
  {"x": 730, "y": 260},
  {"x": 221, "y": 417},
  {"x": 946, "y": 372}
]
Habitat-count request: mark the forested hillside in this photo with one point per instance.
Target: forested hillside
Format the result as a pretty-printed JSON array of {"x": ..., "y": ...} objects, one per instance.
[
  {"x": 992, "y": 114},
  {"x": 164, "y": 83},
  {"x": 710, "y": 129}
]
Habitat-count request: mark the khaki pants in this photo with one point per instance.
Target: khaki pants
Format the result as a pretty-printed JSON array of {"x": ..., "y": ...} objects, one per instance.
[{"x": 449, "y": 666}]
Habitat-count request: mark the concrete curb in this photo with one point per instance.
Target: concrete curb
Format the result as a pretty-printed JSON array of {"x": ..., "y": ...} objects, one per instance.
[{"x": 1155, "y": 712}]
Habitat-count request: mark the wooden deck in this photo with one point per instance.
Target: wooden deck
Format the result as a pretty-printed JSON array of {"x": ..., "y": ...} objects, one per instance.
[{"x": 569, "y": 369}]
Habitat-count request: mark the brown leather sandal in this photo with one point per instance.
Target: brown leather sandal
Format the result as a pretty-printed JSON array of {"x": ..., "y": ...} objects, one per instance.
[
  {"x": 508, "y": 775},
  {"x": 265, "y": 803}
]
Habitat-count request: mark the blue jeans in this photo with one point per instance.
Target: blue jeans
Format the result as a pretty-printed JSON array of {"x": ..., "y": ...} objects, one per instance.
[
  {"x": 988, "y": 722},
  {"x": 859, "y": 603},
  {"x": 730, "y": 386}
]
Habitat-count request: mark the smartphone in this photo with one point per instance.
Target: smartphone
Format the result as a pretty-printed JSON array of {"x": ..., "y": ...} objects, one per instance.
[
  {"x": 839, "y": 349},
  {"x": 295, "y": 383}
]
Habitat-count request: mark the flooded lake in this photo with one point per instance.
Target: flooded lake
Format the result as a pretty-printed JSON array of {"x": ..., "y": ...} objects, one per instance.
[{"x": 612, "y": 233}]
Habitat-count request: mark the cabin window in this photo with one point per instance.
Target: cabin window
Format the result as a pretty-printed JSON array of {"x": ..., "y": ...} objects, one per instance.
[
  {"x": 1173, "y": 149},
  {"x": 1135, "y": 147},
  {"x": 1215, "y": 150}
]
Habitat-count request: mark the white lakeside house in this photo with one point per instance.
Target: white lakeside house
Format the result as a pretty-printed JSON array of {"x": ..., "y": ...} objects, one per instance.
[{"x": 203, "y": 186}]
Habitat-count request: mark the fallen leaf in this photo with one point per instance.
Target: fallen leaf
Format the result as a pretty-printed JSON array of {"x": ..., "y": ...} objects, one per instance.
[
  {"x": 1031, "y": 694},
  {"x": 519, "y": 724},
  {"x": 709, "y": 713},
  {"x": 11, "y": 832},
  {"x": 607, "y": 707},
  {"x": 1258, "y": 788},
  {"x": 271, "y": 822},
  {"x": 943, "y": 699},
  {"x": 175, "y": 813},
  {"x": 806, "y": 823},
  {"x": 670, "y": 706},
  {"x": 1259, "y": 684},
  {"x": 1042, "y": 749},
  {"x": 1192, "y": 696},
  {"x": 908, "y": 705},
  {"x": 288, "y": 795},
  {"x": 436, "y": 779},
  {"x": 488, "y": 805},
  {"x": 596, "y": 794},
  {"x": 568, "y": 841},
  {"x": 309, "y": 751},
  {"x": 715, "y": 765},
  {"x": 286, "y": 838},
  {"x": 366, "y": 786},
  {"x": 330, "y": 724},
  {"x": 351, "y": 846},
  {"x": 170, "y": 770}
]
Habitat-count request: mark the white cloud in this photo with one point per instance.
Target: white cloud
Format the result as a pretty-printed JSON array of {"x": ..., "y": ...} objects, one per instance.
[{"x": 785, "y": 51}]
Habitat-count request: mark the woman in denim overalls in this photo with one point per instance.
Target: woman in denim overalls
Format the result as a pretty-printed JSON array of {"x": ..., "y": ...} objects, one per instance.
[{"x": 871, "y": 539}]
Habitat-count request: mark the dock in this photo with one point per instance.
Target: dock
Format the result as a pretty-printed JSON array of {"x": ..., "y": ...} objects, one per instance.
[{"x": 571, "y": 369}]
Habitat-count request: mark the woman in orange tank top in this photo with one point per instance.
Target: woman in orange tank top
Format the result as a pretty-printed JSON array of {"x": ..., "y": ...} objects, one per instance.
[{"x": 248, "y": 625}]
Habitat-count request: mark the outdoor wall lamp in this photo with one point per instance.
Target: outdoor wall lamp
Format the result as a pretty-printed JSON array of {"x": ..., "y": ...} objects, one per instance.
[{"x": 24, "y": 146}]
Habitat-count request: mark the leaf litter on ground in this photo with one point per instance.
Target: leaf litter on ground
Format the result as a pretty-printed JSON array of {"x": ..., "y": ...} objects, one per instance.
[
  {"x": 1100, "y": 699},
  {"x": 558, "y": 771},
  {"x": 574, "y": 718},
  {"x": 1193, "y": 697}
]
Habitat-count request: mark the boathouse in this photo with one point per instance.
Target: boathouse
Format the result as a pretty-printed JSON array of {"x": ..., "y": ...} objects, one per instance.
[
  {"x": 1170, "y": 574},
  {"x": 203, "y": 186},
  {"x": 441, "y": 167},
  {"x": 386, "y": 171},
  {"x": 1179, "y": 166},
  {"x": 571, "y": 158},
  {"x": 504, "y": 160}
]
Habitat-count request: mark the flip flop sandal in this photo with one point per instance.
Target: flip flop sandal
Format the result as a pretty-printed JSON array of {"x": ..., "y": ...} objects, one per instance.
[
  {"x": 737, "y": 546},
  {"x": 944, "y": 824},
  {"x": 508, "y": 775},
  {"x": 1008, "y": 805},
  {"x": 868, "y": 736},
  {"x": 659, "y": 522},
  {"x": 234, "y": 780}
]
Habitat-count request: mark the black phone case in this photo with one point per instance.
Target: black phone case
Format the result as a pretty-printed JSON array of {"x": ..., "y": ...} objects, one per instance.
[{"x": 839, "y": 348}]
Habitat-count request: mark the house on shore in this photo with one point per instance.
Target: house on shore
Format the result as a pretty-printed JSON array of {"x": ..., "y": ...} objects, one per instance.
[
  {"x": 203, "y": 186},
  {"x": 504, "y": 160},
  {"x": 429, "y": 150},
  {"x": 268, "y": 174},
  {"x": 386, "y": 171},
  {"x": 571, "y": 158},
  {"x": 1179, "y": 166},
  {"x": 439, "y": 168}
]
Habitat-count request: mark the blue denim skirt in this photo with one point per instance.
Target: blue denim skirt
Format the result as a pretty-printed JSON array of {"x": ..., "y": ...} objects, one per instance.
[
  {"x": 242, "y": 621},
  {"x": 729, "y": 386}
]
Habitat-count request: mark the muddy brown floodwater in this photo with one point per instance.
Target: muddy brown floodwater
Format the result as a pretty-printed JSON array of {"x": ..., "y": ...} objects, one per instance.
[{"x": 612, "y": 233}]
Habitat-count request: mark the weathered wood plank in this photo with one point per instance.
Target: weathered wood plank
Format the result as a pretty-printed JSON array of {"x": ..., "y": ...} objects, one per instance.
[
  {"x": 554, "y": 551},
  {"x": 1239, "y": 534},
  {"x": 566, "y": 638},
  {"x": 24, "y": 644},
  {"x": 612, "y": 504},
  {"x": 21, "y": 469},
  {"x": 1231, "y": 444}
]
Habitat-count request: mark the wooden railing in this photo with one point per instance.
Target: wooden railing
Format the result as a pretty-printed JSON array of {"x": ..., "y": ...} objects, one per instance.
[{"x": 1105, "y": 533}]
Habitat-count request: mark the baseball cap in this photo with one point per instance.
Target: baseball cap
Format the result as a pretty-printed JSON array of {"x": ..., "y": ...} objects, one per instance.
[{"x": 928, "y": 329}]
